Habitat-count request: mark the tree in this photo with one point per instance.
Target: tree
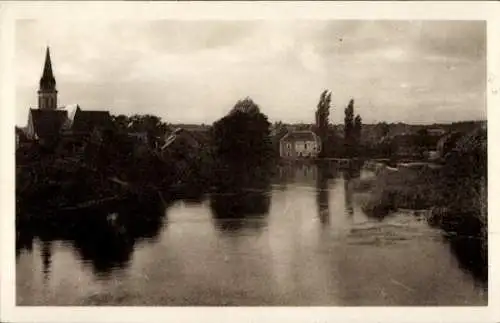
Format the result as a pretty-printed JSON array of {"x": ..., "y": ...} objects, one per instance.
[
  {"x": 357, "y": 128},
  {"x": 243, "y": 136},
  {"x": 348, "y": 128},
  {"x": 322, "y": 117},
  {"x": 121, "y": 122},
  {"x": 279, "y": 131},
  {"x": 245, "y": 106},
  {"x": 356, "y": 132},
  {"x": 151, "y": 124},
  {"x": 383, "y": 129},
  {"x": 423, "y": 132}
]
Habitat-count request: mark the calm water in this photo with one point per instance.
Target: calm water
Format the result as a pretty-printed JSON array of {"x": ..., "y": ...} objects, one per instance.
[{"x": 300, "y": 240}]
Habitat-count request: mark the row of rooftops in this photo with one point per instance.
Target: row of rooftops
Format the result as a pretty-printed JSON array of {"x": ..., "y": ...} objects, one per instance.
[{"x": 45, "y": 122}]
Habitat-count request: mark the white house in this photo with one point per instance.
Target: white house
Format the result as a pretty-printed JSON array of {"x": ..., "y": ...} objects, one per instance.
[{"x": 300, "y": 144}]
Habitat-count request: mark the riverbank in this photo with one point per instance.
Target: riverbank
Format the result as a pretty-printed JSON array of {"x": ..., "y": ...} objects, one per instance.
[{"x": 455, "y": 205}]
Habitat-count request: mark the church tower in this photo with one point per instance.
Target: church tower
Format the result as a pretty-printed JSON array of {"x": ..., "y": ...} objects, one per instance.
[{"x": 47, "y": 93}]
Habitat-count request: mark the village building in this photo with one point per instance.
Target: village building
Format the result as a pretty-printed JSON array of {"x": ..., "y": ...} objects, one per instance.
[
  {"x": 49, "y": 123},
  {"x": 184, "y": 142},
  {"x": 300, "y": 144},
  {"x": 86, "y": 122}
]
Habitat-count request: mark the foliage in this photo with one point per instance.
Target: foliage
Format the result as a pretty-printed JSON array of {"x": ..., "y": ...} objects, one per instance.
[
  {"x": 383, "y": 129},
  {"x": 322, "y": 115},
  {"x": 243, "y": 136},
  {"x": 348, "y": 121},
  {"x": 332, "y": 147},
  {"x": 152, "y": 125},
  {"x": 279, "y": 131},
  {"x": 352, "y": 130}
]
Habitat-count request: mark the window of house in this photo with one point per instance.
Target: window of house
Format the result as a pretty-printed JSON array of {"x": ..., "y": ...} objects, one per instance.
[{"x": 305, "y": 145}]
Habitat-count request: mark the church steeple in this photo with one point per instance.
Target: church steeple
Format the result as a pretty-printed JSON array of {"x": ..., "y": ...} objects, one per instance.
[{"x": 47, "y": 93}]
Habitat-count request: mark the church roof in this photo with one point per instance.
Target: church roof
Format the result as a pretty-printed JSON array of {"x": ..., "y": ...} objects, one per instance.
[
  {"x": 47, "y": 81},
  {"x": 47, "y": 122},
  {"x": 86, "y": 121}
]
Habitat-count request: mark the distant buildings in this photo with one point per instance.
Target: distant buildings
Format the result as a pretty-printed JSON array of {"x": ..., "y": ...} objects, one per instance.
[{"x": 300, "y": 144}]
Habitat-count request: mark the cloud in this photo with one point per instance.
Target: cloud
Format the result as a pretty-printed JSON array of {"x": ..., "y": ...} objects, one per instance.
[{"x": 193, "y": 71}]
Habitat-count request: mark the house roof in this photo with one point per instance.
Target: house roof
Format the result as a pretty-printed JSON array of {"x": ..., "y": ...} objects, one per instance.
[
  {"x": 194, "y": 138},
  {"x": 300, "y": 136},
  {"x": 48, "y": 122},
  {"x": 86, "y": 121}
]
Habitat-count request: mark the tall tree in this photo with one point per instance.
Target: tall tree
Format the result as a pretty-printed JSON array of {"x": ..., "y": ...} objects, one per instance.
[
  {"x": 357, "y": 128},
  {"x": 357, "y": 133},
  {"x": 348, "y": 128},
  {"x": 322, "y": 117}
]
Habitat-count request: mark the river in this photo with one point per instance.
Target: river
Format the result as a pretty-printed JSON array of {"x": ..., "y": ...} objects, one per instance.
[{"x": 300, "y": 240}]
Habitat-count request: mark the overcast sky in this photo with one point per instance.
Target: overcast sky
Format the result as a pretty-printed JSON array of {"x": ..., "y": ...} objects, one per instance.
[{"x": 194, "y": 71}]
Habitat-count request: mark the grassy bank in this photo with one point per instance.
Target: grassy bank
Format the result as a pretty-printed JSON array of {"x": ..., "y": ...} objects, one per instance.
[{"x": 455, "y": 203}]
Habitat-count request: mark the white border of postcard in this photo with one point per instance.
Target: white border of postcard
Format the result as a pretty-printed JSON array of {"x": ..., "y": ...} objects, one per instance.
[{"x": 10, "y": 11}]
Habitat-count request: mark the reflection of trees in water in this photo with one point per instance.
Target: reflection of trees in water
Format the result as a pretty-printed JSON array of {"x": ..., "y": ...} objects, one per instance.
[
  {"x": 322, "y": 194},
  {"x": 348, "y": 198},
  {"x": 466, "y": 250},
  {"x": 467, "y": 245},
  {"x": 46, "y": 254},
  {"x": 349, "y": 174},
  {"x": 104, "y": 237},
  {"x": 241, "y": 202},
  {"x": 24, "y": 241}
]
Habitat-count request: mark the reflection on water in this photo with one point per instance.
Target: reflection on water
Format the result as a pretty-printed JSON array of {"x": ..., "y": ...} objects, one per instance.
[
  {"x": 46, "y": 258},
  {"x": 104, "y": 238},
  {"x": 243, "y": 208},
  {"x": 299, "y": 238},
  {"x": 322, "y": 194},
  {"x": 239, "y": 204}
]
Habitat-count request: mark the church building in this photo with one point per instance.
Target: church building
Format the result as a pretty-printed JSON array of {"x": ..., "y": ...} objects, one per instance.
[
  {"x": 45, "y": 122},
  {"x": 48, "y": 122}
]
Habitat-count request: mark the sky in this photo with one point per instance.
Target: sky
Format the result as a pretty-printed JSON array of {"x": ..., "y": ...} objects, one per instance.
[{"x": 416, "y": 72}]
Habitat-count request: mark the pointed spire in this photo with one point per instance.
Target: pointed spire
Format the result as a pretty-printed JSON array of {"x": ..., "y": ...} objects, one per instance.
[
  {"x": 47, "y": 82},
  {"x": 47, "y": 70}
]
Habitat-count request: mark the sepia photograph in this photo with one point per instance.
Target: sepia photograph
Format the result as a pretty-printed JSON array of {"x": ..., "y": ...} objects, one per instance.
[{"x": 250, "y": 162}]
